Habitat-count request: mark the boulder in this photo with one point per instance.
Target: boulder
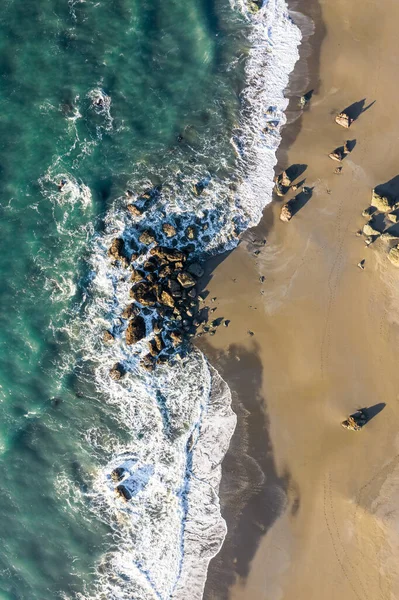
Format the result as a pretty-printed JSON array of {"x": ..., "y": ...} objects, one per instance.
[
  {"x": 176, "y": 337},
  {"x": 136, "y": 276},
  {"x": 196, "y": 270},
  {"x": 130, "y": 311},
  {"x": 108, "y": 337},
  {"x": 117, "y": 250},
  {"x": 117, "y": 372},
  {"x": 159, "y": 342},
  {"x": 134, "y": 210},
  {"x": 369, "y": 230},
  {"x": 344, "y": 120},
  {"x": 168, "y": 254},
  {"x": 147, "y": 362},
  {"x": 174, "y": 288},
  {"x": 338, "y": 154},
  {"x": 143, "y": 293},
  {"x": 123, "y": 493},
  {"x": 393, "y": 217},
  {"x": 186, "y": 280},
  {"x": 167, "y": 299},
  {"x": 166, "y": 271},
  {"x": 169, "y": 230},
  {"x": 118, "y": 474},
  {"x": 368, "y": 212},
  {"x": 394, "y": 256},
  {"x": 382, "y": 203},
  {"x": 191, "y": 232},
  {"x": 135, "y": 330},
  {"x": 286, "y": 213},
  {"x": 147, "y": 237}
]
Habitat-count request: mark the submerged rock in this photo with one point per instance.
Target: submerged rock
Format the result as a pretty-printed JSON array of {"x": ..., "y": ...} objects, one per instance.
[
  {"x": 117, "y": 250},
  {"x": 108, "y": 337}
]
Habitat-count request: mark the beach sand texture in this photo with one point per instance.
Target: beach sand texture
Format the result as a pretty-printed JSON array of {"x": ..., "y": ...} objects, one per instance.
[{"x": 312, "y": 509}]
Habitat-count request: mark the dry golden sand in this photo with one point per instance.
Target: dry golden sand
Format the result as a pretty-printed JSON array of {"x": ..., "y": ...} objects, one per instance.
[{"x": 325, "y": 343}]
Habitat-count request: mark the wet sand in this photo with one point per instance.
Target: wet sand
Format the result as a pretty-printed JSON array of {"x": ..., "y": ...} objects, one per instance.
[{"x": 313, "y": 509}]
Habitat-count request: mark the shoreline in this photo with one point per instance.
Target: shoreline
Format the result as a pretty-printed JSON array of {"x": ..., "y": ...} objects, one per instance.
[
  {"x": 324, "y": 341},
  {"x": 251, "y": 440}
]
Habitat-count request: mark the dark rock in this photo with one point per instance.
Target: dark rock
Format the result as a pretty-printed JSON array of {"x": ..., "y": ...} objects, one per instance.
[
  {"x": 166, "y": 271},
  {"x": 186, "y": 280},
  {"x": 143, "y": 293},
  {"x": 196, "y": 270},
  {"x": 147, "y": 362},
  {"x": 176, "y": 337},
  {"x": 117, "y": 250},
  {"x": 174, "y": 288},
  {"x": 130, "y": 311},
  {"x": 137, "y": 276},
  {"x": 117, "y": 371},
  {"x": 135, "y": 330},
  {"x": 123, "y": 493},
  {"x": 118, "y": 474},
  {"x": 192, "y": 293}
]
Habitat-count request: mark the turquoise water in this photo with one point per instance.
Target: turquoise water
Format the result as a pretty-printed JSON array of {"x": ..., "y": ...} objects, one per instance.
[{"x": 168, "y": 69}]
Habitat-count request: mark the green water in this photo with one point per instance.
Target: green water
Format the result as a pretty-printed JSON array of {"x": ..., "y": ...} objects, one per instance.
[{"x": 167, "y": 68}]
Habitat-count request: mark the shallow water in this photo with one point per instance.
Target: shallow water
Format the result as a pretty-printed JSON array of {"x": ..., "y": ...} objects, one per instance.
[{"x": 170, "y": 77}]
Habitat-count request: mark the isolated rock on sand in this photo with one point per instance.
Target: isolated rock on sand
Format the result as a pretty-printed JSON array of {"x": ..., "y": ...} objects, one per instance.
[
  {"x": 369, "y": 230},
  {"x": 394, "y": 256},
  {"x": 382, "y": 203},
  {"x": 368, "y": 211},
  {"x": 338, "y": 170},
  {"x": 286, "y": 213},
  {"x": 361, "y": 264},
  {"x": 344, "y": 120}
]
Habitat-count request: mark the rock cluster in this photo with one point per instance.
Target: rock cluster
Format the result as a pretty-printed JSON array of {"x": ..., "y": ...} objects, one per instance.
[{"x": 164, "y": 282}]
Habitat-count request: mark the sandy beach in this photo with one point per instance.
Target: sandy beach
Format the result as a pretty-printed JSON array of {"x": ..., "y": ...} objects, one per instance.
[{"x": 312, "y": 509}]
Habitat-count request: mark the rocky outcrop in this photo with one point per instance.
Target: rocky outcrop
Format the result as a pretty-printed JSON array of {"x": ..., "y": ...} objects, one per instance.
[
  {"x": 368, "y": 212},
  {"x": 168, "y": 254},
  {"x": 143, "y": 293},
  {"x": 135, "y": 330},
  {"x": 132, "y": 310},
  {"x": 118, "y": 474},
  {"x": 382, "y": 203},
  {"x": 394, "y": 256},
  {"x": 123, "y": 493},
  {"x": 191, "y": 232},
  {"x": 282, "y": 183}
]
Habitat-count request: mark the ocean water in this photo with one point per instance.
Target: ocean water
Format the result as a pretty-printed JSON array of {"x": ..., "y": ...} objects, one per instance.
[{"x": 107, "y": 96}]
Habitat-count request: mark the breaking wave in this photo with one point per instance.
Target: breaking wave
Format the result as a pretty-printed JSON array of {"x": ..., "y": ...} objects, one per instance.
[{"x": 175, "y": 422}]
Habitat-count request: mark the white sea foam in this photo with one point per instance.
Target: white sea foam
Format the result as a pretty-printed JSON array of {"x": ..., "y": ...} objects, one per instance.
[{"x": 177, "y": 421}]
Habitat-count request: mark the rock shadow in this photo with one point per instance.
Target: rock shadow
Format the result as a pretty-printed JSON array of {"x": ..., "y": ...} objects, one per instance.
[
  {"x": 390, "y": 188},
  {"x": 357, "y": 108},
  {"x": 373, "y": 411},
  {"x": 252, "y": 493},
  {"x": 295, "y": 171}
]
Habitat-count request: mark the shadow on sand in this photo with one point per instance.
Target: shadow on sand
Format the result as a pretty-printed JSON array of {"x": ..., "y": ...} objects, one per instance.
[
  {"x": 357, "y": 108},
  {"x": 373, "y": 411}
]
